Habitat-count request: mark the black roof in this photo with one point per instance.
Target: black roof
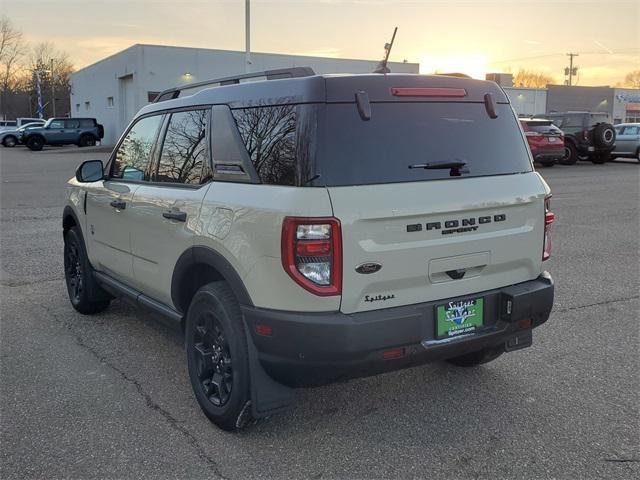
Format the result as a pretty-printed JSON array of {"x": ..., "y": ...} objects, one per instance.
[{"x": 335, "y": 88}]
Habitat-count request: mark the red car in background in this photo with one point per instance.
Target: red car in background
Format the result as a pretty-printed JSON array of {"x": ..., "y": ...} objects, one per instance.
[{"x": 546, "y": 141}]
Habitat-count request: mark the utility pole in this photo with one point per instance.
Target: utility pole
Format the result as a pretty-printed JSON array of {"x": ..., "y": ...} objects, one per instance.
[
  {"x": 53, "y": 90},
  {"x": 571, "y": 71},
  {"x": 247, "y": 36}
]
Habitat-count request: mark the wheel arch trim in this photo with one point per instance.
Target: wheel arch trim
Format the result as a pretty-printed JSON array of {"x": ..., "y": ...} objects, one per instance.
[{"x": 203, "y": 255}]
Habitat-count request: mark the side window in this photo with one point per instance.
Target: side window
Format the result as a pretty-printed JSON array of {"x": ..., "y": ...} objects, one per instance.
[
  {"x": 269, "y": 134},
  {"x": 71, "y": 124},
  {"x": 57, "y": 124},
  {"x": 630, "y": 130},
  {"x": 86, "y": 123},
  {"x": 133, "y": 158},
  {"x": 184, "y": 150}
]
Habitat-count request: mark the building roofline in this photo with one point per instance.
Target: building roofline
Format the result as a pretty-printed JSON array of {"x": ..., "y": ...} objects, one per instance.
[{"x": 143, "y": 45}]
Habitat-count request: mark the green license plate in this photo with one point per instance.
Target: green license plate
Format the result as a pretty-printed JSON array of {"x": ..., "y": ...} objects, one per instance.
[{"x": 459, "y": 317}]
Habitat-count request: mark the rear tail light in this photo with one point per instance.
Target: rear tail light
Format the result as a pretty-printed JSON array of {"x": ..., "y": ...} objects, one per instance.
[
  {"x": 549, "y": 218},
  {"x": 312, "y": 253}
]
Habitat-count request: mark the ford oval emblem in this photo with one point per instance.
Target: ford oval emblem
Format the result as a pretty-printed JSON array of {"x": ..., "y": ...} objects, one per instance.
[{"x": 369, "y": 267}]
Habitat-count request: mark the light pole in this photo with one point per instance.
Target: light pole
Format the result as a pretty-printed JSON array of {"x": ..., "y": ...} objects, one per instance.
[
  {"x": 247, "y": 36},
  {"x": 53, "y": 90}
]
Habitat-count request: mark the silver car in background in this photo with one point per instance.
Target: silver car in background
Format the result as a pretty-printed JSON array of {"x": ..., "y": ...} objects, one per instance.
[
  {"x": 11, "y": 138},
  {"x": 627, "y": 140}
]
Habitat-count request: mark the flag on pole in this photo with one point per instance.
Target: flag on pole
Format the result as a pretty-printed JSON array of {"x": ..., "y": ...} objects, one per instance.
[{"x": 39, "y": 94}]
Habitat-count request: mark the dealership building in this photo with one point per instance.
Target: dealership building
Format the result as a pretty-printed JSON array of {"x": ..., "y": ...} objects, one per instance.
[{"x": 115, "y": 88}]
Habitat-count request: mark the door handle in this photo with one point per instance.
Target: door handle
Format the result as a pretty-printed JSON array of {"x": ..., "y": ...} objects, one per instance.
[
  {"x": 175, "y": 215},
  {"x": 119, "y": 204}
]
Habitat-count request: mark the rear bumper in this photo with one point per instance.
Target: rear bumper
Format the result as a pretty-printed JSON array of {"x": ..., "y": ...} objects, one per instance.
[
  {"x": 549, "y": 155},
  {"x": 308, "y": 349}
]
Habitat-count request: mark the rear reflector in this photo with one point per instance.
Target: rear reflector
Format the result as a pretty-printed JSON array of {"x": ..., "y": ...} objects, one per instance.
[
  {"x": 264, "y": 330},
  {"x": 395, "y": 353},
  {"x": 428, "y": 92},
  {"x": 549, "y": 218}
]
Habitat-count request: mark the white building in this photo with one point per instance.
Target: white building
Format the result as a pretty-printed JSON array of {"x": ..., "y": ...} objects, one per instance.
[
  {"x": 115, "y": 88},
  {"x": 527, "y": 102}
]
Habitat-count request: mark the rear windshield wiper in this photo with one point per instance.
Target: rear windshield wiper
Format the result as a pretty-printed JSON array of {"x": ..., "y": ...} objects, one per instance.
[{"x": 456, "y": 164}]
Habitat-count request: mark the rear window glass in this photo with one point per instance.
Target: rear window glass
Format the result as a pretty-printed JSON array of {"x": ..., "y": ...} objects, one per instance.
[
  {"x": 351, "y": 151},
  {"x": 542, "y": 127}
]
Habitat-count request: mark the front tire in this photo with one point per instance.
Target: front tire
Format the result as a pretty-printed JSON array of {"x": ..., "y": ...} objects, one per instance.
[
  {"x": 9, "y": 141},
  {"x": 479, "y": 357},
  {"x": 35, "y": 143},
  {"x": 217, "y": 357},
  {"x": 86, "y": 296}
]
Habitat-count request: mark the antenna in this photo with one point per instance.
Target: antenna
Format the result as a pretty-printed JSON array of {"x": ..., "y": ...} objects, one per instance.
[{"x": 382, "y": 66}]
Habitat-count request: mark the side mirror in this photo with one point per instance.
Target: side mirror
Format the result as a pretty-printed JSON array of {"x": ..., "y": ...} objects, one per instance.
[{"x": 90, "y": 171}]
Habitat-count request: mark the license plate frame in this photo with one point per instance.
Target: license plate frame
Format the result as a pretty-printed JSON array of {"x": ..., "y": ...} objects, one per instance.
[{"x": 459, "y": 317}]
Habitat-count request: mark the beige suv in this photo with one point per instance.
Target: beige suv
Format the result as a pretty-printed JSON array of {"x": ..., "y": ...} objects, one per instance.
[{"x": 304, "y": 229}]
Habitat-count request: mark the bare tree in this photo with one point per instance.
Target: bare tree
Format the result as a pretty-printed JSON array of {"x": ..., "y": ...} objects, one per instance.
[
  {"x": 632, "y": 79},
  {"x": 12, "y": 48},
  {"x": 531, "y": 79},
  {"x": 55, "y": 69}
]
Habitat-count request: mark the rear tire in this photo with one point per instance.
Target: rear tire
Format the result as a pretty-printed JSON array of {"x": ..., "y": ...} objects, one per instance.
[
  {"x": 86, "y": 296},
  {"x": 35, "y": 143},
  {"x": 600, "y": 158},
  {"x": 217, "y": 357},
  {"x": 570, "y": 154},
  {"x": 87, "y": 141},
  {"x": 479, "y": 357},
  {"x": 9, "y": 141}
]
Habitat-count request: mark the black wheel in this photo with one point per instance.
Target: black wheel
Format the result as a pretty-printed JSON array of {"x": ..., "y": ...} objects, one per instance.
[
  {"x": 217, "y": 356},
  {"x": 601, "y": 158},
  {"x": 35, "y": 143},
  {"x": 10, "y": 141},
  {"x": 604, "y": 135},
  {"x": 473, "y": 359},
  {"x": 85, "y": 294},
  {"x": 570, "y": 154},
  {"x": 87, "y": 141}
]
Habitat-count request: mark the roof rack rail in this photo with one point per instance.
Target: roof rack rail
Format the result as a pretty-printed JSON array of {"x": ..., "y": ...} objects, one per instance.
[
  {"x": 454, "y": 74},
  {"x": 276, "y": 74}
]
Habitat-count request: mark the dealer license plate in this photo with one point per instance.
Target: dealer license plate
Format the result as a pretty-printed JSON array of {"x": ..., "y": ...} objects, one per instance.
[{"x": 459, "y": 317}]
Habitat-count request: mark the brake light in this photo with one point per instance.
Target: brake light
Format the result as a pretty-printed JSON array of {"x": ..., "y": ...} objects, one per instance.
[
  {"x": 549, "y": 218},
  {"x": 312, "y": 253},
  {"x": 428, "y": 92}
]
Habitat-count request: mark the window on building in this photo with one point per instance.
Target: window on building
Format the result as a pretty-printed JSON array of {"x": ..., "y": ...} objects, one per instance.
[
  {"x": 151, "y": 96},
  {"x": 184, "y": 150},
  {"x": 87, "y": 105},
  {"x": 133, "y": 158},
  {"x": 109, "y": 101},
  {"x": 77, "y": 107},
  {"x": 269, "y": 134}
]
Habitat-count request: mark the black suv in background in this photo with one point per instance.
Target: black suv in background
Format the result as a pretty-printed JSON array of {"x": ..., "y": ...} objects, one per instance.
[
  {"x": 84, "y": 132},
  {"x": 587, "y": 135}
]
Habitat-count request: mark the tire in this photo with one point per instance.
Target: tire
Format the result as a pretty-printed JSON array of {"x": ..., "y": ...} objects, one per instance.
[
  {"x": 35, "y": 143},
  {"x": 601, "y": 158},
  {"x": 604, "y": 135},
  {"x": 547, "y": 164},
  {"x": 217, "y": 358},
  {"x": 86, "y": 296},
  {"x": 87, "y": 141},
  {"x": 479, "y": 357},
  {"x": 570, "y": 154},
  {"x": 9, "y": 141}
]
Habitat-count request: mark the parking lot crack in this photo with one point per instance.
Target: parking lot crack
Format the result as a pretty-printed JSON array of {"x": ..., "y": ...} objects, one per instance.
[
  {"x": 173, "y": 422},
  {"x": 597, "y": 304}
]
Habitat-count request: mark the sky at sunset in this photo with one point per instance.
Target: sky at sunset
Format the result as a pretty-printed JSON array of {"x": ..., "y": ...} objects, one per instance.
[{"x": 474, "y": 37}]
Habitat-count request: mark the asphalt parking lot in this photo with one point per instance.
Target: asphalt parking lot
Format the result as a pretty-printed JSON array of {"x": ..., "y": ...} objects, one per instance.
[{"x": 108, "y": 396}]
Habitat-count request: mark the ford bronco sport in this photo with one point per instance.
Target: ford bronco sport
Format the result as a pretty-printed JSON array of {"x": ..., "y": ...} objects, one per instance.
[{"x": 306, "y": 229}]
